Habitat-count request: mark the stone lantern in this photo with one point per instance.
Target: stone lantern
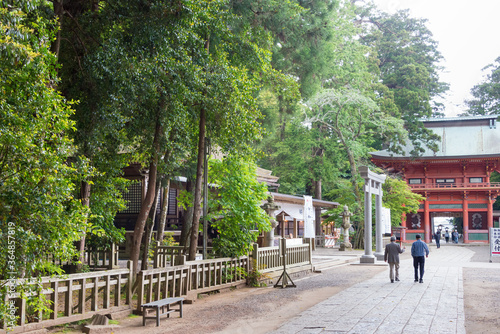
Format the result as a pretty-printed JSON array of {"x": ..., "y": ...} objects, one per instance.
[
  {"x": 346, "y": 224},
  {"x": 270, "y": 207}
]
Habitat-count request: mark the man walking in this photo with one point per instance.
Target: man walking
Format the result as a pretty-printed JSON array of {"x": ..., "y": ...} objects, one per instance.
[
  {"x": 437, "y": 237},
  {"x": 419, "y": 251},
  {"x": 391, "y": 256}
]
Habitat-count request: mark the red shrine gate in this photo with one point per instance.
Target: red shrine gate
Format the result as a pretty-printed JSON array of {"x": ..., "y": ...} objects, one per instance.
[{"x": 455, "y": 180}]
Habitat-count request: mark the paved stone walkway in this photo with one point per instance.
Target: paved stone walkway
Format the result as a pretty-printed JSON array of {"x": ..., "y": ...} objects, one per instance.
[{"x": 379, "y": 306}]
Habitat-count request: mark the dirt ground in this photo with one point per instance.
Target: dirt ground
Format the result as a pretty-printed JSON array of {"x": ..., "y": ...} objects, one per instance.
[
  {"x": 481, "y": 299},
  {"x": 256, "y": 310},
  {"x": 261, "y": 310}
]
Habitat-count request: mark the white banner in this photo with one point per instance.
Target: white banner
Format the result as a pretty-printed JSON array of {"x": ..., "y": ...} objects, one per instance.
[
  {"x": 309, "y": 230},
  {"x": 495, "y": 241},
  {"x": 386, "y": 221}
]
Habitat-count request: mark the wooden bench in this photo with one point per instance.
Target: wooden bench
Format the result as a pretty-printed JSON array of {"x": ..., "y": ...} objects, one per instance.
[{"x": 160, "y": 304}]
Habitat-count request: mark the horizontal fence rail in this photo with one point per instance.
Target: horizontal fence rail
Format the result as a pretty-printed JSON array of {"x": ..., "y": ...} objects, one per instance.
[
  {"x": 190, "y": 278},
  {"x": 160, "y": 283},
  {"x": 164, "y": 255},
  {"x": 268, "y": 259},
  {"x": 79, "y": 296},
  {"x": 71, "y": 298},
  {"x": 95, "y": 258}
]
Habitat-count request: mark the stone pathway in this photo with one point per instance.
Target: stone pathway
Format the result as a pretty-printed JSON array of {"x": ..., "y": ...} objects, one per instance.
[{"x": 378, "y": 306}]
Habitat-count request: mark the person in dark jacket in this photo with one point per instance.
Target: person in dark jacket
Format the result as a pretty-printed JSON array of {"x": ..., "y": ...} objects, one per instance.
[
  {"x": 419, "y": 251},
  {"x": 391, "y": 256},
  {"x": 437, "y": 237}
]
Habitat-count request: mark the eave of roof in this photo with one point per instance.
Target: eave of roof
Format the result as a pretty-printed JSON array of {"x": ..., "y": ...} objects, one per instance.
[{"x": 300, "y": 200}]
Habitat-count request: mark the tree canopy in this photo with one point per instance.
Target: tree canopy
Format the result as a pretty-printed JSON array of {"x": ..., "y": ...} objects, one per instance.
[
  {"x": 486, "y": 95},
  {"x": 305, "y": 88},
  {"x": 40, "y": 213}
]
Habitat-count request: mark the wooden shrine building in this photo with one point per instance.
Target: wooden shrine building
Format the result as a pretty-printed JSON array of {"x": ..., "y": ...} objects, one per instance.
[{"x": 455, "y": 180}]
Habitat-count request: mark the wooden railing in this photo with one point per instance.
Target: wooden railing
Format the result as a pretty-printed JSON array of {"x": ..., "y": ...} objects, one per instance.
[
  {"x": 159, "y": 283},
  {"x": 72, "y": 298},
  {"x": 164, "y": 255},
  {"x": 207, "y": 274},
  {"x": 96, "y": 258},
  {"x": 269, "y": 259},
  {"x": 80, "y": 296},
  {"x": 190, "y": 278},
  {"x": 455, "y": 185}
]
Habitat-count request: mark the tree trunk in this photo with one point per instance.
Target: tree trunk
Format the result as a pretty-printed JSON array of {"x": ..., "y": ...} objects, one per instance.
[
  {"x": 163, "y": 214},
  {"x": 358, "y": 241},
  {"x": 187, "y": 223},
  {"x": 85, "y": 198},
  {"x": 58, "y": 12},
  {"x": 148, "y": 200},
  {"x": 150, "y": 223},
  {"x": 198, "y": 188}
]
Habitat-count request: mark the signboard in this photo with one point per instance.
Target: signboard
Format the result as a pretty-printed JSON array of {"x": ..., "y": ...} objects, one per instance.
[
  {"x": 386, "y": 221},
  {"x": 309, "y": 231},
  {"x": 495, "y": 241}
]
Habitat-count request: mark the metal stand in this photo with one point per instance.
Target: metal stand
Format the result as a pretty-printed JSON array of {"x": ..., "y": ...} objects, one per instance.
[{"x": 284, "y": 278}]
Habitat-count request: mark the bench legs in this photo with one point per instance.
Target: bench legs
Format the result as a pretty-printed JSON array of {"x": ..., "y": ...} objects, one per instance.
[{"x": 160, "y": 310}]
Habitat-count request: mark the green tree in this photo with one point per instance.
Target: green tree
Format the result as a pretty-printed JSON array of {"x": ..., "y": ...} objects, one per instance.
[
  {"x": 100, "y": 138},
  {"x": 39, "y": 212},
  {"x": 352, "y": 118},
  {"x": 399, "y": 197},
  {"x": 235, "y": 211},
  {"x": 486, "y": 95},
  {"x": 409, "y": 66}
]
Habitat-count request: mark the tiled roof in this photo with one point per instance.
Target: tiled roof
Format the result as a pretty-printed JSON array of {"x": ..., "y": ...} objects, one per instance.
[{"x": 459, "y": 138}]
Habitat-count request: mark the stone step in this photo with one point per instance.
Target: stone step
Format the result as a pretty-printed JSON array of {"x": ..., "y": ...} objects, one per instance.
[{"x": 328, "y": 264}]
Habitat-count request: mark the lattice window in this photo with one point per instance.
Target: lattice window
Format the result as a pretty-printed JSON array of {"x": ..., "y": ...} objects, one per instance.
[
  {"x": 445, "y": 206},
  {"x": 445, "y": 180},
  {"x": 133, "y": 198},
  {"x": 172, "y": 202},
  {"x": 477, "y": 206},
  {"x": 476, "y": 180}
]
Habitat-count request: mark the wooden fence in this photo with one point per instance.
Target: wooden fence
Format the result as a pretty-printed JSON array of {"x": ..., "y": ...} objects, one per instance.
[
  {"x": 80, "y": 296},
  {"x": 96, "y": 259},
  {"x": 269, "y": 259},
  {"x": 164, "y": 255},
  {"x": 190, "y": 279},
  {"x": 71, "y": 298}
]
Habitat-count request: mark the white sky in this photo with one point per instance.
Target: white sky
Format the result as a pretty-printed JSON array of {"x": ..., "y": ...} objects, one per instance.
[{"x": 467, "y": 32}]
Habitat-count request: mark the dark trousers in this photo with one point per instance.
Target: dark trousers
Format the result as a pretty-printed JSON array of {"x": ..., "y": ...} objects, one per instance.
[
  {"x": 419, "y": 262},
  {"x": 438, "y": 242}
]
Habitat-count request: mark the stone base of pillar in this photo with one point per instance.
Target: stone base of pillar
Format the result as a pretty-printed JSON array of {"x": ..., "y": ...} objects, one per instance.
[
  {"x": 345, "y": 246},
  {"x": 379, "y": 256},
  {"x": 367, "y": 259}
]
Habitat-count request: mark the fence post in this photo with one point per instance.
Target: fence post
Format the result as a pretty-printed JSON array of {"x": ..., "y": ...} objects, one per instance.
[
  {"x": 130, "y": 266},
  {"x": 255, "y": 257},
  {"x": 156, "y": 260},
  {"x": 179, "y": 260},
  {"x": 54, "y": 285},
  {"x": 310, "y": 256},
  {"x": 113, "y": 257},
  {"x": 140, "y": 293},
  {"x": 6, "y": 301}
]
